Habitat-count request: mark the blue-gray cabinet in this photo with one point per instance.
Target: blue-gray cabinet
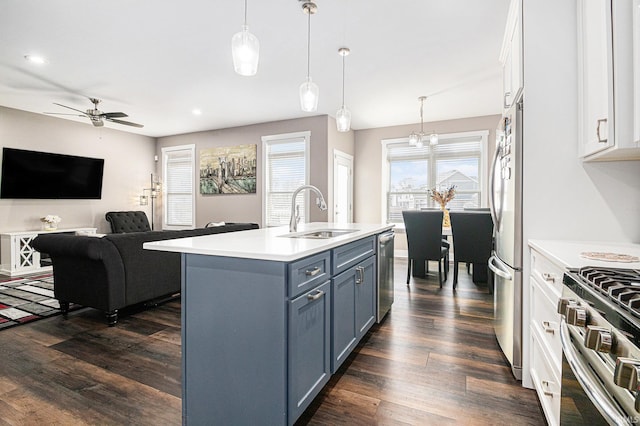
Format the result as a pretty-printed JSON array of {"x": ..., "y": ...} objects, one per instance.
[
  {"x": 309, "y": 347},
  {"x": 259, "y": 337},
  {"x": 353, "y": 306}
]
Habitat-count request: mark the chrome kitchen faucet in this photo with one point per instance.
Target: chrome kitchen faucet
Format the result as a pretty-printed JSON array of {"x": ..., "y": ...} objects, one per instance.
[{"x": 295, "y": 212}]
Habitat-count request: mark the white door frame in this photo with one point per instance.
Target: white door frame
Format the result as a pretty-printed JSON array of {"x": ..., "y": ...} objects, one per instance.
[{"x": 343, "y": 158}]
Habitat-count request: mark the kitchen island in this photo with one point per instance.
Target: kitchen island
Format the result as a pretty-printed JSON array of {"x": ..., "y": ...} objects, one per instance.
[{"x": 268, "y": 316}]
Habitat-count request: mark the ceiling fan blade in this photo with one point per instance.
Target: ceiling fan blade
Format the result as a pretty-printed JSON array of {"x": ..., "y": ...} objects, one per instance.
[
  {"x": 113, "y": 115},
  {"x": 64, "y": 106},
  {"x": 126, "y": 123},
  {"x": 62, "y": 113}
]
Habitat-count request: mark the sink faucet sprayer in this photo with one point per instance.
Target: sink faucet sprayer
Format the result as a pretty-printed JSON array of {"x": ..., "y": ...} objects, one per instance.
[{"x": 295, "y": 212}]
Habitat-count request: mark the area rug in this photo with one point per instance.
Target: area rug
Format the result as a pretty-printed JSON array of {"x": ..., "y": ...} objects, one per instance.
[{"x": 27, "y": 299}]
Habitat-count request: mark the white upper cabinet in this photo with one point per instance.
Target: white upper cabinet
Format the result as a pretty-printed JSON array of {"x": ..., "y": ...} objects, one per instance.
[
  {"x": 607, "y": 113},
  {"x": 511, "y": 55}
]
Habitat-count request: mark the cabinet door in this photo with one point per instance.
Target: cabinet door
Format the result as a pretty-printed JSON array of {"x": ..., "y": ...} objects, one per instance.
[
  {"x": 365, "y": 296},
  {"x": 344, "y": 333},
  {"x": 595, "y": 76},
  {"x": 309, "y": 347}
]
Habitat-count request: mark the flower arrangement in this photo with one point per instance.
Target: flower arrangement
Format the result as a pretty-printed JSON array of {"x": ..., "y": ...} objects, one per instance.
[
  {"x": 442, "y": 198},
  {"x": 50, "y": 221}
]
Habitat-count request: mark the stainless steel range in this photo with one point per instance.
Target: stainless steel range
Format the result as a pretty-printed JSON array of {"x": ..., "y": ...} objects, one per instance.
[{"x": 600, "y": 333}]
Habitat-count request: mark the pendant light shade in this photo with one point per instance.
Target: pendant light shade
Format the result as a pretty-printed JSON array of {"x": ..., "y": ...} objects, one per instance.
[
  {"x": 309, "y": 91},
  {"x": 343, "y": 116},
  {"x": 309, "y": 95},
  {"x": 433, "y": 139},
  {"x": 245, "y": 49}
]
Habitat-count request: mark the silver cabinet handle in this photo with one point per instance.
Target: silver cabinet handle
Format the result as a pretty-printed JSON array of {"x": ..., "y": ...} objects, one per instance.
[
  {"x": 549, "y": 327},
  {"x": 504, "y": 100},
  {"x": 318, "y": 294},
  {"x": 547, "y": 276},
  {"x": 359, "y": 274},
  {"x": 312, "y": 273},
  {"x": 600, "y": 121}
]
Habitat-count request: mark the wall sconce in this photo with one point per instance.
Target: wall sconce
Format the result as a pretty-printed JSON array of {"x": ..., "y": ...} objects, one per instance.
[{"x": 156, "y": 186}]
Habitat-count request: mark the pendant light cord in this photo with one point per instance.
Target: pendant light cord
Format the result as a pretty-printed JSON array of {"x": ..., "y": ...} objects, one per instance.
[
  {"x": 308, "y": 43},
  {"x": 245, "y": 13},
  {"x": 343, "y": 80},
  {"x": 421, "y": 116}
]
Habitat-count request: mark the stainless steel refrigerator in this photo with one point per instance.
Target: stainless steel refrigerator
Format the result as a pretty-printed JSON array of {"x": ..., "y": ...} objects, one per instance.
[{"x": 505, "y": 200}]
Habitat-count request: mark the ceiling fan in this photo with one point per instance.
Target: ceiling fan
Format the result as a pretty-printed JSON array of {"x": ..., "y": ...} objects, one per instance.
[{"x": 96, "y": 116}]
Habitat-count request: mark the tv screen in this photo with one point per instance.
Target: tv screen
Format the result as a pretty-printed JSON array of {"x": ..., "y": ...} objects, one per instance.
[{"x": 43, "y": 175}]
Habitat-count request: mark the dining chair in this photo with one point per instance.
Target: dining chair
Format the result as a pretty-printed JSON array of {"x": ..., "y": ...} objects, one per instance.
[
  {"x": 424, "y": 242},
  {"x": 472, "y": 240}
]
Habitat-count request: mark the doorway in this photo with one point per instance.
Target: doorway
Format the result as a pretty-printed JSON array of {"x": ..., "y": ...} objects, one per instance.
[{"x": 342, "y": 187}]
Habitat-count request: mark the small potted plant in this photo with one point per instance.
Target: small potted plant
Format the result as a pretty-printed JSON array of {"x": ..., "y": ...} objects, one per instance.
[{"x": 50, "y": 222}]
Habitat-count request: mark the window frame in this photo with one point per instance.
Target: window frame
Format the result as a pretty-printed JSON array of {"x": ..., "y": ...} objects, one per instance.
[
  {"x": 165, "y": 154},
  {"x": 282, "y": 139},
  {"x": 483, "y": 135}
]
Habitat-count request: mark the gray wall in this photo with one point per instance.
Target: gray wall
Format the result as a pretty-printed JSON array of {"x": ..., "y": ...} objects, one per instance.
[
  {"x": 368, "y": 162},
  {"x": 248, "y": 207},
  {"x": 127, "y": 169}
]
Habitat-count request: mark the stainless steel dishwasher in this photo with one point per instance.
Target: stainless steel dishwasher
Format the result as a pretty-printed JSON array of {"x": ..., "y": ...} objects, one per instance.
[{"x": 385, "y": 273}]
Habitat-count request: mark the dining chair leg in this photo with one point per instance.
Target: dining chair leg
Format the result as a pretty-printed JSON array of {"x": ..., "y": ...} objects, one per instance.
[
  {"x": 455, "y": 273},
  {"x": 440, "y": 272},
  {"x": 408, "y": 271}
]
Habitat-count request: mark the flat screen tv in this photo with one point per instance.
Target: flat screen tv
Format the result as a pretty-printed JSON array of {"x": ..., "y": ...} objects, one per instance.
[{"x": 44, "y": 175}]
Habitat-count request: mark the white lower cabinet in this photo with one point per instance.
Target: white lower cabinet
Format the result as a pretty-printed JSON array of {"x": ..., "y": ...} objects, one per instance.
[{"x": 545, "y": 286}]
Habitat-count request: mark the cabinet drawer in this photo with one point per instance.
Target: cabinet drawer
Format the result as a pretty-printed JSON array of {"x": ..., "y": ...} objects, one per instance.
[
  {"x": 348, "y": 255},
  {"x": 546, "y": 382},
  {"x": 304, "y": 274},
  {"x": 546, "y": 319},
  {"x": 547, "y": 272}
]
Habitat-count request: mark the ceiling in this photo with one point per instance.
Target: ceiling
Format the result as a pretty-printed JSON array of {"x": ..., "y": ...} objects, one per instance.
[{"x": 157, "y": 60}]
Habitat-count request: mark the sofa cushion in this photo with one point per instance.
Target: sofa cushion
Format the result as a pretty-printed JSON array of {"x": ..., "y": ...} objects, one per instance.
[{"x": 131, "y": 221}]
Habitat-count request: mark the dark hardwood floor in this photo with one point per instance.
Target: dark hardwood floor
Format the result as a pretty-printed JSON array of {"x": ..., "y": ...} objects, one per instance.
[{"x": 433, "y": 360}]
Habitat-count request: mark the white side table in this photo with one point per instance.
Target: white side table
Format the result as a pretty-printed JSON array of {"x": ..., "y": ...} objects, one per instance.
[{"x": 18, "y": 257}]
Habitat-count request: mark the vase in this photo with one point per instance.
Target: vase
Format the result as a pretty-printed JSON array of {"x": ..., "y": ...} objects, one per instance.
[{"x": 446, "y": 222}]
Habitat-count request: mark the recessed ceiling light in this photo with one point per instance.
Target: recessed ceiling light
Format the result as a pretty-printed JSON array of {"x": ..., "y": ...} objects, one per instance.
[
  {"x": 196, "y": 111},
  {"x": 35, "y": 59}
]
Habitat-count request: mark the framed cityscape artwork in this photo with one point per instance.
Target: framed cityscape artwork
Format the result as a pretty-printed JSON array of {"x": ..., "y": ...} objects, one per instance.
[{"x": 228, "y": 170}]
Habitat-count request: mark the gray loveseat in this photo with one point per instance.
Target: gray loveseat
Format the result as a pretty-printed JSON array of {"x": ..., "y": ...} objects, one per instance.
[{"x": 114, "y": 271}]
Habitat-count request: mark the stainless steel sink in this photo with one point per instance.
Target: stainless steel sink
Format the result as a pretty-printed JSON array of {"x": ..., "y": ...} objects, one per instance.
[{"x": 320, "y": 234}]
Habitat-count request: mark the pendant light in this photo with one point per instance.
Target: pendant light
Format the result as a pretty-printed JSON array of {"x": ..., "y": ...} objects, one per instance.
[
  {"x": 433, "y": 139},
  {"x": 245, "y": 49},
  {"x": 343, "y": 116},
  {"x": 417, "y": 139},
  {"x": 309, "y": 91}
]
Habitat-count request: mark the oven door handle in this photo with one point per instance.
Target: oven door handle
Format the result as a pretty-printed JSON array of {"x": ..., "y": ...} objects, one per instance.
[{"x": 590, "y": 386}]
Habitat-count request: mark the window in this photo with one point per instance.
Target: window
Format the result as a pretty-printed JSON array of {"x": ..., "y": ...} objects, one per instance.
[
  {"x": 178, "y": 187},
  {"x": 458, "y": 160},
  {"x": 286, "y": 167}
]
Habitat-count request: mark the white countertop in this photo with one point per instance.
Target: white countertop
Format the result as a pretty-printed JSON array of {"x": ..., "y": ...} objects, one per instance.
[
  {"x": 267, "y": 243},
  {"x": 567, "y": 253}
]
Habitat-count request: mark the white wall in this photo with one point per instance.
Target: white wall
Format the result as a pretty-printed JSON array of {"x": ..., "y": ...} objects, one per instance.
[
  {"x": 564, "y": 198},
  {"x": 127, "y": 168}
]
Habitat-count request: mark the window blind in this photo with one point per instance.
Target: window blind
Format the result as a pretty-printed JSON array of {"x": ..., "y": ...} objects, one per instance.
[
  {"x": 179, "y": 195},
  {"x": 286, "y": 170}
]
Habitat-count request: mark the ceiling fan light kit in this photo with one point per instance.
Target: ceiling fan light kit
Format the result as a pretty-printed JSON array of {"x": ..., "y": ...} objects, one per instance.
[
  {"x": 98, "y": 117},
  {"x": 245, "y": 49},
  {"x": 309, "y": 91}
]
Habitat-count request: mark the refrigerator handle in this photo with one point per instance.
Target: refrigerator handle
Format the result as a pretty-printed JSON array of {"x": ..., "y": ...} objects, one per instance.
[
  {"x": 499, "y": 268},
  {"x": 492, "y": 187}
]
